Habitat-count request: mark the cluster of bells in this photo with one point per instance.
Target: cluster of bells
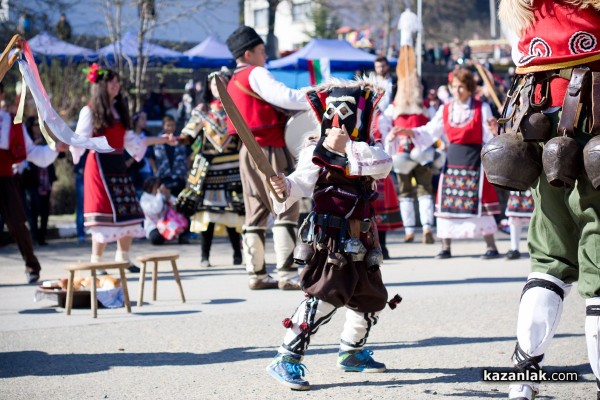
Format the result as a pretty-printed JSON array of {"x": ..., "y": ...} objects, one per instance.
[
  {"x": 353, "y": 250},
  {"x": 515, "y": 161}
]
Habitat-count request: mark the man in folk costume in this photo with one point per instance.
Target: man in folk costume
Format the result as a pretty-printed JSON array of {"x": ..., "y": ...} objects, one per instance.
[
  {"x": 408, "y": 111},
  {"x": 16, "y": 146},
  {"x": 339, "y": 246},
  {"x": 260, "y": 99},
  {"x": 387, "y": 207},
  {"x": 556, "y": 47}
]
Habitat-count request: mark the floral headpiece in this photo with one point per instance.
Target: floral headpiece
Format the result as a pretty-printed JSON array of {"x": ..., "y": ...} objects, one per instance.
[{"x": 93, "y": 72}]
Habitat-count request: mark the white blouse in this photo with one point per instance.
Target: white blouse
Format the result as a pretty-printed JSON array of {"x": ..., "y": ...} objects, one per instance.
[
  {"x": 134, "y": 144},
  {"x": 428, "y": 134},
  {"x": 363, "y": 160}
]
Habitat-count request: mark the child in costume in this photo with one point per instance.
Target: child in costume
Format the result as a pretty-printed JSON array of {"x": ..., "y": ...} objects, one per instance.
[{"x": 339, "y": 244}]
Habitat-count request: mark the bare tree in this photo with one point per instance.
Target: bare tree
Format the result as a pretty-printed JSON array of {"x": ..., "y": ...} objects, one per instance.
[
  {"x": 271, "y": 45},
  {"x": 151, "y": 14},
  {"x": 242, "y": 10}
]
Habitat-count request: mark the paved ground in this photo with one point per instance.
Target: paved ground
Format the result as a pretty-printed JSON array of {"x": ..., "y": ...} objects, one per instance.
[{"x": 458, "y": 316}]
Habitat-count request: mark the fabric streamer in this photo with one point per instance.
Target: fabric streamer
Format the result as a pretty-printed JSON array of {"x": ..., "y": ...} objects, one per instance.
[{"x": 46, "y": 113}]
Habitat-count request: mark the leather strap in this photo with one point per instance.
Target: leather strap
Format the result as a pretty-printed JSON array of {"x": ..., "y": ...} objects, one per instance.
[
  {"x": 571, "y": 107},
  {"x": 524, "y": 96},
  {"x": 594, "y": 114}
]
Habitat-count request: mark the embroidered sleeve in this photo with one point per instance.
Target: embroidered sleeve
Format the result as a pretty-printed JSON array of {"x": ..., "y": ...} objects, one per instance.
[
  {"x": 84, "y": 128},
  {"x": 428, "y": 134},
  {"x": 367, "y": 160},
  {"x": 135, "y": 145},
  {"x": 301, "y": 182}
]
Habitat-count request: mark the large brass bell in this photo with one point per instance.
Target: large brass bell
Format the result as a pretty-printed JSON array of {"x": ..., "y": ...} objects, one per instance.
[
  {"x": 562, "y": 161},
  {"x": 591, "y": 160},
  {"x": 303, "y": 253},
  {"x": 510, "y": 163},
  {"x": 374, "y": 259},
  {"x": 536, "y": 127}
]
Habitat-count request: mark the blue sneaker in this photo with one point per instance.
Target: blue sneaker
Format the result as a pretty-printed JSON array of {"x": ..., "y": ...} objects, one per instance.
[
  {"x": 288, "y": 370},
  {"x": 359, "y": 361}
]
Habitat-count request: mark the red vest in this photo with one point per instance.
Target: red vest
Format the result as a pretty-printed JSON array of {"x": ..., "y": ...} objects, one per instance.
[
  {"x": 469, "y": 133},
  {"x": 16, "y": 150},
  {"x": 561, "y": 36},
  {"x": 266, "y": 123}
]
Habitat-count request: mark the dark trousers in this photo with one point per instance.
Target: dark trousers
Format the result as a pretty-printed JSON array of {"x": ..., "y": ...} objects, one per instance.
[
  {"x": 155, "y": 237},
  {"x": 39, "y": 210},
  {"x": 207, "y": 237},
  {"x": 79, "y": 211},
  {"x": 13, "y": 214}
]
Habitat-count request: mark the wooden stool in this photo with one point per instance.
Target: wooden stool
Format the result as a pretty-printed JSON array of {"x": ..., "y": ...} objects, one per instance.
[
  {"x": 93, "y": 267},
  {"x": 156, "y": 257}
]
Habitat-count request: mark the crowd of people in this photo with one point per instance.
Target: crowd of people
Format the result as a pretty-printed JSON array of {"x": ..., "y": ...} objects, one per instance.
[{"x": 386, "y": 155}]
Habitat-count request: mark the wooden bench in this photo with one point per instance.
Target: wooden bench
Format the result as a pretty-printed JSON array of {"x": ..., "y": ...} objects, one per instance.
[
  {"x": 92, "y": 267},
  {"x": 155, "y": 258}
]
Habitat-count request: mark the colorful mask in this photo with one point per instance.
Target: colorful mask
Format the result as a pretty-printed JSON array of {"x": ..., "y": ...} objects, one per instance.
[{"x": 346, "y": 103}]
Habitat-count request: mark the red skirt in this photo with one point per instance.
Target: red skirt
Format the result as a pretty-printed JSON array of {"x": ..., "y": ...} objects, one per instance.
[
  {"x": 109, "y": 195},
  {"x": 387, "y": 208}
]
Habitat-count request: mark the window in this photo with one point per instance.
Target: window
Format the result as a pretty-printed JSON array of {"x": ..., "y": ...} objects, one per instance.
[
  {"x": 261, "y": 17},
  {"x": 301, "y": 11}
]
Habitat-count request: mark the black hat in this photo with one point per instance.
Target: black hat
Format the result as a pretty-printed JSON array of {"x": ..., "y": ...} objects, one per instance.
[{"x": 242, "y": 39}]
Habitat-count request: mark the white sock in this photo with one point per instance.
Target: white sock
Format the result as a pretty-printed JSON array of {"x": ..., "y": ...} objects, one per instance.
[
  {"x": 592, "y": 333},
  {"x": 426, "y": 211},
  {"x": 122, "y": 256},
  {"x": 407, "y": 211},
  {"x": 515, "y": 233},
  {"x": 95, "y": 258}
]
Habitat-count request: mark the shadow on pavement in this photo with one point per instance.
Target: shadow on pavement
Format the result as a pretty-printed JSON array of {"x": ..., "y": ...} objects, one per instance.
[
  {"x": 462, "y": 281},
  {"x": 35, "y": 363}
]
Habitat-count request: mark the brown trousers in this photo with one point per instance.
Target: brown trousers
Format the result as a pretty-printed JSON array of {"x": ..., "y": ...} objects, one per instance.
[
  {"x": 13, "y": 214},
  {"x": 257, "y": 200}
]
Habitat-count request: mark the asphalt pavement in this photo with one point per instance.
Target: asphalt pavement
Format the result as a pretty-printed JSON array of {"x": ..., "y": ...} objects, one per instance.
[{"x": 457, "y": 317}]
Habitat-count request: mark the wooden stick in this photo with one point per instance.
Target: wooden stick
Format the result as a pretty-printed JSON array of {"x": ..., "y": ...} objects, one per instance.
[
  {"x": 5, "y": 62},
  {"x": 486, "y": 80}
]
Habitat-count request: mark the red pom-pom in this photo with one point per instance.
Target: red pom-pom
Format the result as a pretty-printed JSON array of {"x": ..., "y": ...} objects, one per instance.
[
  {"x": 394, "y": 301},
  {"x": 304, "y": 327},
  {"x": 287, "y": 323}
]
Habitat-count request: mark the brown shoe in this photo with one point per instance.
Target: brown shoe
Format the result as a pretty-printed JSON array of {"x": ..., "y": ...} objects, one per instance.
[
  {"x": 409, "y": 238},
  {"x": 290, "y": 284},
  {"x": 428, "y": 238},
  {"x": 262, "y": 283}
]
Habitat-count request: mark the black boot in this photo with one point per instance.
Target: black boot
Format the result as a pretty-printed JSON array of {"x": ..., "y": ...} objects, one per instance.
[
  {"x": 235, "y": 239},
  {"x": 207, "y": 237},
  {"x": 384, "y": 250}
]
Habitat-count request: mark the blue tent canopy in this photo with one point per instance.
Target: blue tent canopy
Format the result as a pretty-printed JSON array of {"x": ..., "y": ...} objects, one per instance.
[
  {"x": 211, "y": 53},
  {"x": 47, "y": 45},
  {"x": 157, "y": 54},
  {"x": 341, "y": 54}
]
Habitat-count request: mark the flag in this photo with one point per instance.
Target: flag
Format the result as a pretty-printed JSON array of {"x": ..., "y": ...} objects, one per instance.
[{"x": 318, "y": 70}]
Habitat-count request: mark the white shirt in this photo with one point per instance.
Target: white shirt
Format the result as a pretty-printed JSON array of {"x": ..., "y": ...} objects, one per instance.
[
  {"x": 134, "y": 144},
  {"x": 363, "y": 160},
  {"x": 264, "y": 84},
  {"x": 427, "y": 134},
  {"x": 154, "y": 207}
]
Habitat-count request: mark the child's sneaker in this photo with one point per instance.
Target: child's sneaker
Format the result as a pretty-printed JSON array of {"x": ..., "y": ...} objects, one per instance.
[
  {"x": 359, "y": 361},
  {"x": 523, "y": 391},
  {"x": 288, "y": 370}
]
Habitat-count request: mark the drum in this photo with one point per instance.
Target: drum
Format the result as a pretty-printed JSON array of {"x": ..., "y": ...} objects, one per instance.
[{"x": 298, "y": 128}]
